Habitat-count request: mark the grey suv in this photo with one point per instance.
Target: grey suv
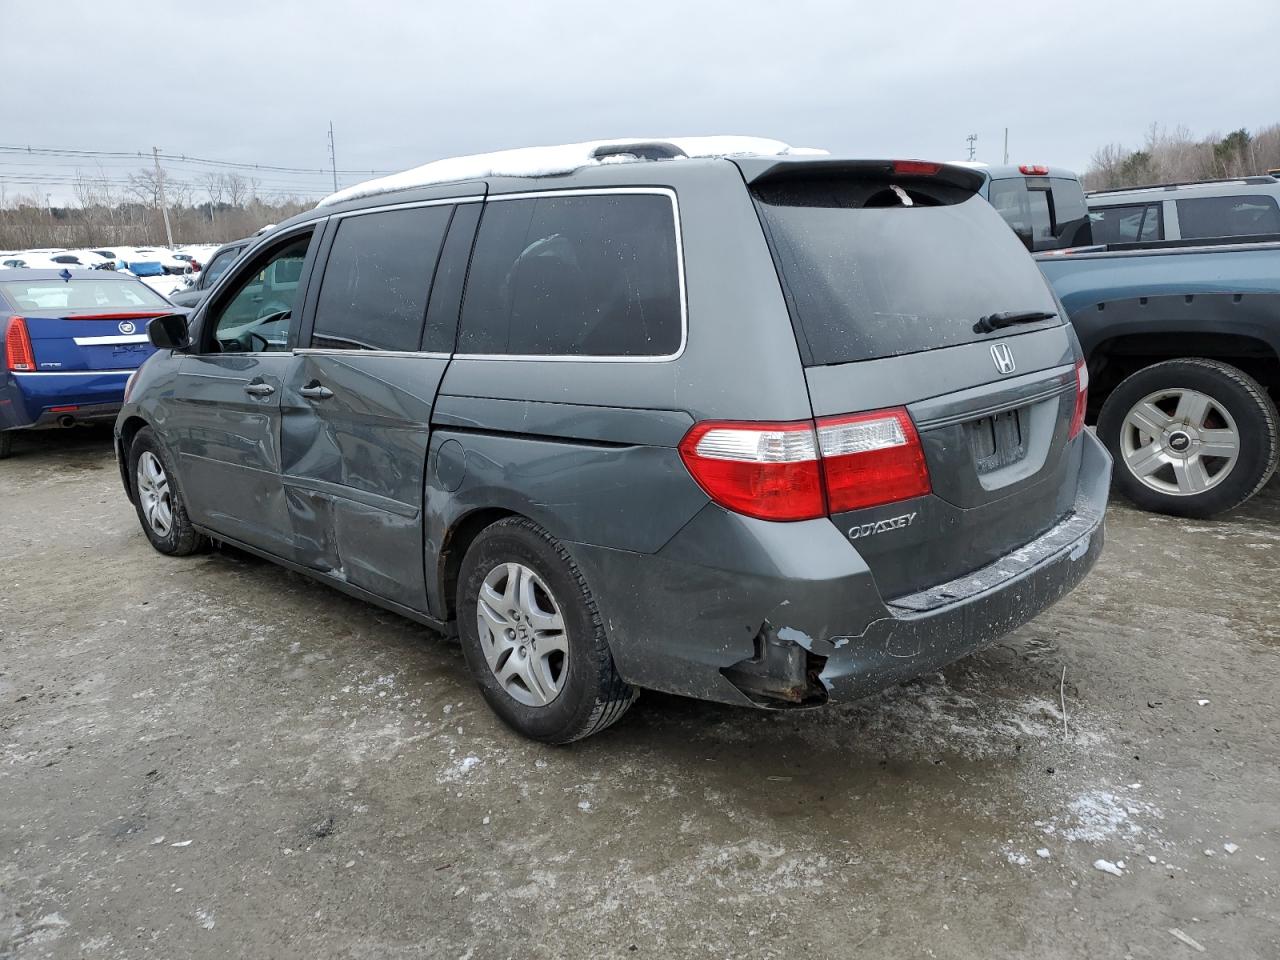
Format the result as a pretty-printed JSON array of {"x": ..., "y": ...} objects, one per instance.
[
  {"x": 767, "y": 430},
  {"x": 1246, "y": 207}
]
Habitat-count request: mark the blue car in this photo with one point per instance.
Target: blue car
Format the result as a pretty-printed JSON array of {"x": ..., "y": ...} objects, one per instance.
[{"x": 71, "y": 340}]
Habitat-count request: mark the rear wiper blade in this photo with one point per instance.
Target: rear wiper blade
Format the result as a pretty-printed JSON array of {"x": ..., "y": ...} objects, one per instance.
[{"x": 996, "y": 321}]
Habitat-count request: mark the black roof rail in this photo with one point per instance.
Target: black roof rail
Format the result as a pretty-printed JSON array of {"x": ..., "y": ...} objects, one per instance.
[
  {"x": 641, "y": 150},
  {"x": 1255, "y": 180}
]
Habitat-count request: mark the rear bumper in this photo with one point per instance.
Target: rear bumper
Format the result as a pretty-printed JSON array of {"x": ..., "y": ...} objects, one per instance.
[
  {"x": 27, "y": 399},
  {"x": 680, "y": 618}
]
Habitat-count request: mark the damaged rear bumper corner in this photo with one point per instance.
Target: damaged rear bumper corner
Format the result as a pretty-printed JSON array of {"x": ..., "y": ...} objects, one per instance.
[
  {"x": 923, "y": 634},
  {"x": 774, "y": 615}
]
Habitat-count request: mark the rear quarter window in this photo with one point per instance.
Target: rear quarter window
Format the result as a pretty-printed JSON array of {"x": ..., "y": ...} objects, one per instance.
[
  {"x": 867, "y": 280},
  {"x": 561, "y": 275},
  {"x": 1202, "y": 218}
]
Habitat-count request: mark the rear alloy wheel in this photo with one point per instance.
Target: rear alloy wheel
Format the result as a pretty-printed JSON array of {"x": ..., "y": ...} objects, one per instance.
[
  {"x": 1192, "y": 438},
  {"x": 159, "y": 503},
  {"x": 533, "y": 637},
  {"x": 522, "y": 633}
]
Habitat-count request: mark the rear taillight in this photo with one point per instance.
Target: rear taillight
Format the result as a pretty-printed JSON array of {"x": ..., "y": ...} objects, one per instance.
[
  {"x": 764, "y": 470},
  {"x": 1033, "y": 170},
  {"x": 17, "y": 346},
  {"x": 871, "y": 458},
  {"x": 1082, "y": 399},
  {"x": 803, "y": 470}
]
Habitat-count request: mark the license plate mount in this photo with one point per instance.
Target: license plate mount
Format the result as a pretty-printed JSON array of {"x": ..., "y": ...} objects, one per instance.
[{"x": 998, "y": 441}]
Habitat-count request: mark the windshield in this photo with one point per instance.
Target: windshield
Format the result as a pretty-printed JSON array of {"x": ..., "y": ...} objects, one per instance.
[
  {"x": 866, "y": 281},
  {"x": 80, "y": 295}
]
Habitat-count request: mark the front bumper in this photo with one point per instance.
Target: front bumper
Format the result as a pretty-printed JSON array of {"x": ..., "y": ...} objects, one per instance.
[{"x": 678, "y": 620}]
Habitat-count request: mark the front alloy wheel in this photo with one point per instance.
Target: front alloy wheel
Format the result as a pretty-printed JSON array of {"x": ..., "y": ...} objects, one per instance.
[
  {"x": 157, "y": 496},
  {"x": 154, "y": 497}
]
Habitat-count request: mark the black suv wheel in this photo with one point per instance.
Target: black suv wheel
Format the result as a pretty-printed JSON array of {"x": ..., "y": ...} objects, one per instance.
[
  {"x": 1192, "y": 438},
  {"x": 533, "y": 638}
]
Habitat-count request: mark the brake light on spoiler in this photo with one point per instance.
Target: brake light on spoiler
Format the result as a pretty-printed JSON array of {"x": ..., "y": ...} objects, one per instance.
[
  {"x": 17, "y": 346},
  {"x": 806, "y": 469},
  {"x": 916, "y": 168},
  {"x": 1033, "y": 170}
]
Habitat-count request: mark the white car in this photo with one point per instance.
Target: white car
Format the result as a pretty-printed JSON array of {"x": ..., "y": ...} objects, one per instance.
[{"x": 80, "y": 259}]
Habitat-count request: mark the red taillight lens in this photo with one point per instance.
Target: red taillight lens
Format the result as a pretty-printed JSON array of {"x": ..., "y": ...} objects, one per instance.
[
  {"x": 916, "y": 168},
  {"x": 799, "y": 471},
  {"x": 871, "y": 458},
  {"x": 1033, "y": 170},
  {"x": 764, "y": 470},
  {"x": 1082, "y": 399},
  {"x": 17, "y": 346}
]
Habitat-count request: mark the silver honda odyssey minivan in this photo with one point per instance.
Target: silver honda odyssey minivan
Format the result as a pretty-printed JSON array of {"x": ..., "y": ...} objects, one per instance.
[{"x": 716, "y": 418}]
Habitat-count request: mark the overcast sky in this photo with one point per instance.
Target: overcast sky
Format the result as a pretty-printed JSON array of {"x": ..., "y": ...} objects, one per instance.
[{"x": 405, "y": 83}]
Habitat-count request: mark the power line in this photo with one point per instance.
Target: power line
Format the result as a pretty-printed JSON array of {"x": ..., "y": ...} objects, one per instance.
[{"x": 182, "y": 158}]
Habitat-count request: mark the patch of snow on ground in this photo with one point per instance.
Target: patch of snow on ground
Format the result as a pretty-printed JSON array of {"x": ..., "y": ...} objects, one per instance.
[
  {"x": 1096, "y": 816},
  {"x": 458, "y": 770}
]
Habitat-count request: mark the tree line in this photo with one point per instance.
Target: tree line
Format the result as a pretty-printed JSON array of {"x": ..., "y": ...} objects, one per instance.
[
  {"x": 108, "y": 211},
  {"x": 1174, "y": 156}
]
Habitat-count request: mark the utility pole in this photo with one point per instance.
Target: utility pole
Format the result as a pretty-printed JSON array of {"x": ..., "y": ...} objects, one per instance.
[
  {"x": 973, "y": 145},
  {"x": 164, "y": 205},
  {"x": 1006, "y": 146},
  {"x": 333, "y": 158}
]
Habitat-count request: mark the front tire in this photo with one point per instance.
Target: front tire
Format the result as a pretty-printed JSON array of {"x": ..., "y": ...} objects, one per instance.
[
  {"x": 1191, "y": 438},
  {"x": 533, "y": 637},
  {"x": 161, "y": 509}
]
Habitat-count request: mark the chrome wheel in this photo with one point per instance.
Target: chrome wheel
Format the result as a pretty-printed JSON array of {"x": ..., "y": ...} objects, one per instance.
[
  {"x": 154, "y": 495},
  {"x": 1180, "y": 442},
  {"x": 522, "y": 634}
]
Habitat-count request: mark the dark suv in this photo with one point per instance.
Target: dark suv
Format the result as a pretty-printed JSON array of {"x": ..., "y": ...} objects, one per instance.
[{"x": 763, "y": 429}]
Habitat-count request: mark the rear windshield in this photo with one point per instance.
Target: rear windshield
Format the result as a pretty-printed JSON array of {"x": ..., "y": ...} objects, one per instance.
[
  {"x": 866, "y": 281},
  {"x": 80, "y": 294},
  {"x": 1047, "y": 213}
]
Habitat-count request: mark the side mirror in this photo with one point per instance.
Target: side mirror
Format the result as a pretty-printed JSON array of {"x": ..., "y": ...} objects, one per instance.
[{"x": 169, "y": 332}]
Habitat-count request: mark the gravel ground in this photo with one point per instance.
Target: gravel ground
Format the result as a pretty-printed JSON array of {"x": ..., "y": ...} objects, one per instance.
[{"x": 211, "y": 757}]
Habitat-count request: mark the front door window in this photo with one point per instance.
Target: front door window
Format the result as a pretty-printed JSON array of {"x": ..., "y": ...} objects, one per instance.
[{"x": 257, "y": 313}]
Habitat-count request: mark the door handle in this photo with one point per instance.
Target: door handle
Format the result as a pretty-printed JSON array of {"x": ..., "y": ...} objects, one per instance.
[
  {"x": 315, "y": 391},
  {"x": 260, "y": 389}
]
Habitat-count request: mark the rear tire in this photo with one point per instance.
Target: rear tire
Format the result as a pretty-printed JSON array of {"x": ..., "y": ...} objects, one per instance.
[
  {"x": 1165, "y": 423},
  {"x": 549, "y": 676},
  {"x": 158, "y": 500},
  {"x": 6, "y": 444}
]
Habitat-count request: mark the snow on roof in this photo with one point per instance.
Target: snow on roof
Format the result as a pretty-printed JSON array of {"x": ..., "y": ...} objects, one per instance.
[{"x": 565, "y": 158}]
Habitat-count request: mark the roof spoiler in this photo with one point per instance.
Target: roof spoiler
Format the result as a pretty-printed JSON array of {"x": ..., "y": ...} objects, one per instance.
[{"x": 757, "y": 170}]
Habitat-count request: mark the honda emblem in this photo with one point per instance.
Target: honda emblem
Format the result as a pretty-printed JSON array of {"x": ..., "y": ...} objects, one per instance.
[{"x": 1003, "y": 357}]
